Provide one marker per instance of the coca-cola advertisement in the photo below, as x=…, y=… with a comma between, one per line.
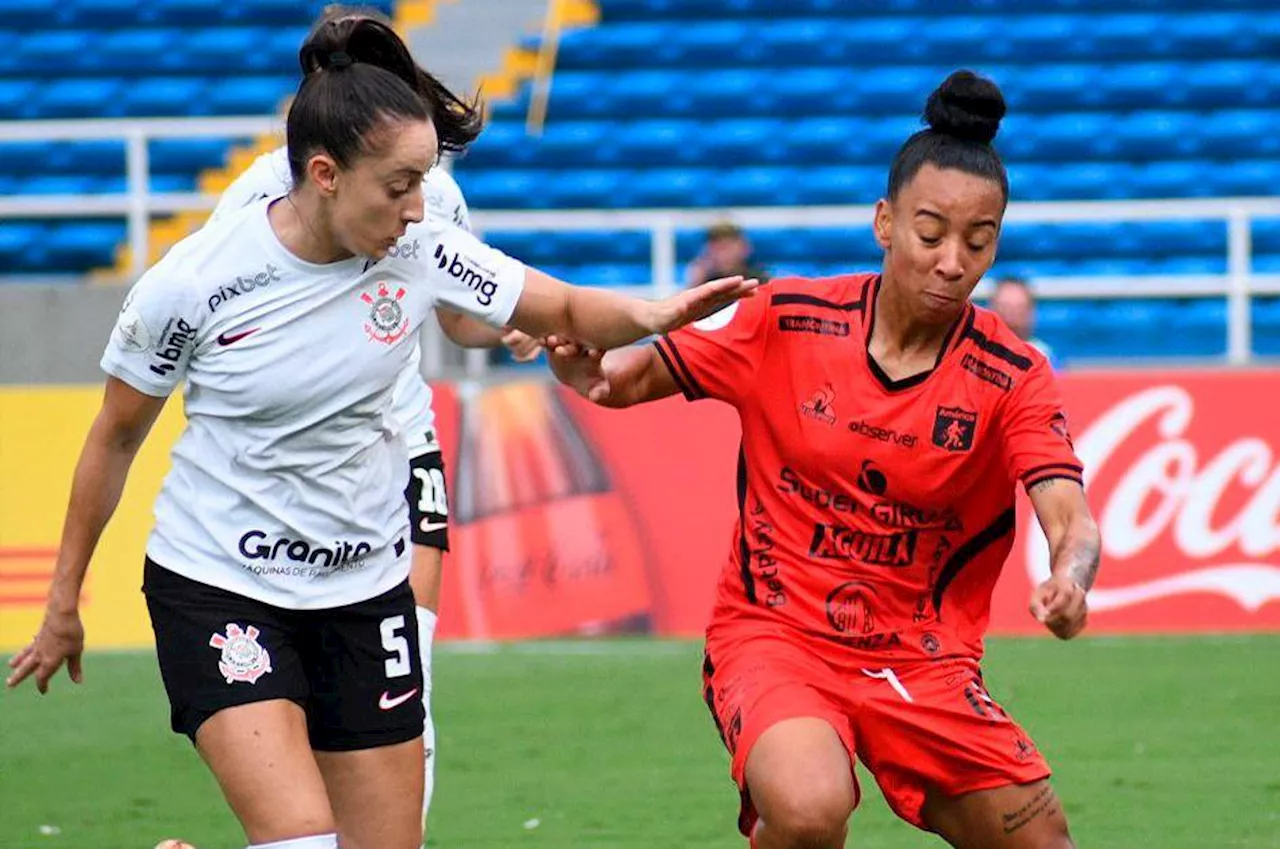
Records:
x=570, y=519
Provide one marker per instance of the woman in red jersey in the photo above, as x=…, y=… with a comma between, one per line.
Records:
x=886, y=422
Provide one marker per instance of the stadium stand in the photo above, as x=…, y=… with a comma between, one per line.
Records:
x=719, y=103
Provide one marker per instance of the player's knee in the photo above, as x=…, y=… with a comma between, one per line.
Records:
x=811, y=817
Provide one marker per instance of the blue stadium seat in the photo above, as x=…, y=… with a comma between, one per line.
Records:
x=85, y=97
x=103, y=14
x=1266, y=325
x=247, y=95
x=21, y=245
x=649, y=143
x=1232, y=134
x=158, y=96
x=142, y=52
x=55, y=52
x=78, y=245
x=29, y=15
x=189, y=156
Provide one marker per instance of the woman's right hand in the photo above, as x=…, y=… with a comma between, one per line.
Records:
x=59, y=640
x=579, y=368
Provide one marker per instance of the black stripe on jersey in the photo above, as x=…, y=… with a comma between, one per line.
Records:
x=680, y=375
x=1000, y=527
x=810, y=301
x=1073, y=468
x=1051, y=476
x=744, y=550
x=679, y=363
x=675, y=373
x=997, y=350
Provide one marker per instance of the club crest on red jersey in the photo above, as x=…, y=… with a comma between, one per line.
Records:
x=820, y=405
x=243, y=657
x=953, y=428
x=387, y=322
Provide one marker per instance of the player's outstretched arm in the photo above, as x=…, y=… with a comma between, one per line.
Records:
x=468, y=332
x=620, y=378
x=603, y=319
x=1075, y=548
x=117, y=433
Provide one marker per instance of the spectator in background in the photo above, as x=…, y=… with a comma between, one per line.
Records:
x=726, y=252
x=1015, y=303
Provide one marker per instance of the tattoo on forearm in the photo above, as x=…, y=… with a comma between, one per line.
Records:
x=1078, y=559
x=1044, y=803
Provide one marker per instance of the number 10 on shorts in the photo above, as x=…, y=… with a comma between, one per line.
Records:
x=395, y=643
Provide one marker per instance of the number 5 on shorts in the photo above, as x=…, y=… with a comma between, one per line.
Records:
x=395, y=643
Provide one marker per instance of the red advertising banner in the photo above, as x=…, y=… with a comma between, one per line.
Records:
x=570, y=519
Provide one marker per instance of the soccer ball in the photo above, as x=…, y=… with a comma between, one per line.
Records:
x=174, y=844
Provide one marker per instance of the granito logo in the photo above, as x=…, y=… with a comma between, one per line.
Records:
x=405, y=250
x=823, y=499
x=257, y=545
x=174, y=339
x=835, y=542
x=882, y=434
x=465, y=270
x=812, y=324
x=987, y=372
x=242, y=285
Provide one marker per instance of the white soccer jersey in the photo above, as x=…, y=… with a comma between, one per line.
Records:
x=268, y=176
x=287, y=484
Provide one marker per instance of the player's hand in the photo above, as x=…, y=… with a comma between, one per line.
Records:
x=523, y=347
x=1061, y=606
x=59, y=640
x=692, y=304
x=579, y=368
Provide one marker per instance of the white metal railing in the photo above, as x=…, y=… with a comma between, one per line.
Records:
x=138, y=204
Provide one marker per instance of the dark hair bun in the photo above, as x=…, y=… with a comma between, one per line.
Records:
x=966, y=106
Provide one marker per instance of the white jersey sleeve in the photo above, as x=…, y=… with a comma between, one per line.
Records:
x=444, y=200
x=467, y=275
x=157, y=330
x=267, y=177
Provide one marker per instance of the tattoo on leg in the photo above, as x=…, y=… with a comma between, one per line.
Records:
x=1043, y=803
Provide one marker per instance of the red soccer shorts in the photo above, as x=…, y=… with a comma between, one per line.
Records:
x=918, y=726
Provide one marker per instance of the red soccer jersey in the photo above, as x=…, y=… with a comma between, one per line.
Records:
x=874, y=514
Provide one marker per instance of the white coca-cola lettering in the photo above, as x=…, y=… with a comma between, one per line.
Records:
x=1165, y=490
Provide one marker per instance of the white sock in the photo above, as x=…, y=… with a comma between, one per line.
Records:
x=426, y=636
x=315, y=841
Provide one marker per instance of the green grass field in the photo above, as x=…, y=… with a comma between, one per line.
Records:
x=1157, y=742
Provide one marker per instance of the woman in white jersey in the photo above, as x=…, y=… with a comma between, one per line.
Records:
x=276, y=574
x=457, y=125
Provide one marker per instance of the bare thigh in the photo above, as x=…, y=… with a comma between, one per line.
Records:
x=1018, y=816
x=376, y=795
x=262, y=759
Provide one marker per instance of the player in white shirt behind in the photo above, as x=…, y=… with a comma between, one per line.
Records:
x=277, y=572
x=457, y=125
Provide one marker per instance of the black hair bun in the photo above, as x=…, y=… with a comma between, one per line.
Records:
x=966, y=106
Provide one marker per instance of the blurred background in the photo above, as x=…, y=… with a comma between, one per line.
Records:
x=650, y=145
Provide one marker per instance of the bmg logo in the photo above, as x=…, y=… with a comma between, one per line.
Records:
x=460, y=269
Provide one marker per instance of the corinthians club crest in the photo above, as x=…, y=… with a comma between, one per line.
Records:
x=243, y=657
x=387, y=322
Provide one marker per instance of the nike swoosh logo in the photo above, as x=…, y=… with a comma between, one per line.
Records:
x=388, y=703
x=427, y=527
x=232, y=338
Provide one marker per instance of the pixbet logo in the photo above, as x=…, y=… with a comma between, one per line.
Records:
x=243, y=285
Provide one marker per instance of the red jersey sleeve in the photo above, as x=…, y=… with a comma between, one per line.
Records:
x=1037, y=445
x=719, y=356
